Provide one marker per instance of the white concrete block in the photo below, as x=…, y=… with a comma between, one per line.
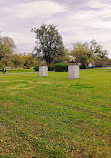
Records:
x=43, y=71
x=73, y=71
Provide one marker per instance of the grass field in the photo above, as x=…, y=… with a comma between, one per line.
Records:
x=53, y=117
x=18, y=70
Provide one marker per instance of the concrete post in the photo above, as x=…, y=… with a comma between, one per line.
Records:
x=73, y=71
x=43, y=71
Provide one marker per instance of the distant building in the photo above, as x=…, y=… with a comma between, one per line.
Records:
x=90, y=64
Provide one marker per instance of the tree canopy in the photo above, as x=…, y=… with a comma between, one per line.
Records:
x=49, y=43
x=9, y=42
x=5, y=53
x=89, y=52
x=7, y=47
x=97, y=49
x=82, y=52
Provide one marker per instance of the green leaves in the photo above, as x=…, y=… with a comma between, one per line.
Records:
x=5, y=53
x=49, y=43
x=82, y=52
x=89, y=52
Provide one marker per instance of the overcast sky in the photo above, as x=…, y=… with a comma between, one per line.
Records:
x=76, y=20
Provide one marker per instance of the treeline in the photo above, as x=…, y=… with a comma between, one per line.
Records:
x=90, y=53
x=8, y=57
x=49, y=49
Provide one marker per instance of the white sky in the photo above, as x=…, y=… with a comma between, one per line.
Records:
x=76, y=20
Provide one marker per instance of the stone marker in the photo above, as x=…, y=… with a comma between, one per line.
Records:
x=43, y=71
x=73, y=71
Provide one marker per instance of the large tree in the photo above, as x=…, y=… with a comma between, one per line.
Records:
x=49, y=43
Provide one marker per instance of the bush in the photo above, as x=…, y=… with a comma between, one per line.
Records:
x=61, y=67
x=58, y=67
x=82, y=66
x=36, y=68
x=51, y=68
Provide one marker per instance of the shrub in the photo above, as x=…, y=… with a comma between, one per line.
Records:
x=61, y=67
x=82, y=66
x=51, y=68
x=36, y=68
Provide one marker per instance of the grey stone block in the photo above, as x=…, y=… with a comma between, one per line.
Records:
x=73, y=71
x=43, y=71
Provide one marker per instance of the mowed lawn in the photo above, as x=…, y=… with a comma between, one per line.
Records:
x=20, y=70
x=53, y=117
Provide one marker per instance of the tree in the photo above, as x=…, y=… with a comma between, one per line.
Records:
x=82, y=53
x=49, y=43
x=5, y=54
x=100, y=62
x=28, y=61
x=90, y=52
x=97, y=49
x=24, y=60
x=100, y=55
x=18, y=60
x=9, y=42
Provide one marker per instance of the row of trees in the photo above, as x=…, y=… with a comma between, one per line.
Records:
x=50, y=49
x=49, y=46
x=90, y=52
x=8, y=57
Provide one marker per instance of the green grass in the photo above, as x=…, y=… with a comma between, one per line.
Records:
x=53, y=117
x=18, y=70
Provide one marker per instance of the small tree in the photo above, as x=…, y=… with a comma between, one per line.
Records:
x=5, y=54
x=100, y=55
x=9, y=42
x=28, y=61
x=7, y=47
x=97, y=49
x=82, y=53
x=18, y=60
x=49, y=43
